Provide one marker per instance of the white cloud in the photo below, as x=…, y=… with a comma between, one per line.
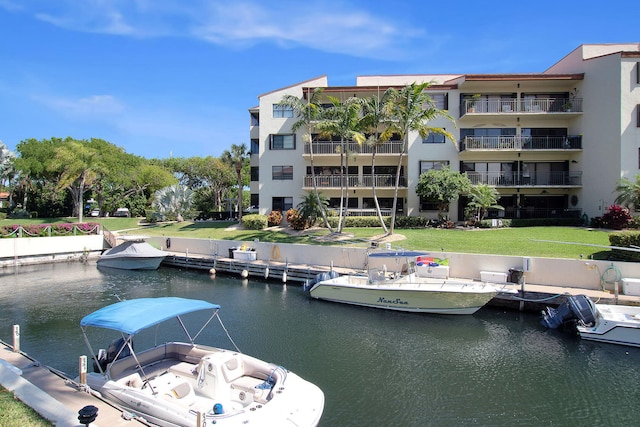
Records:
x=94, y=106
x=329, y=26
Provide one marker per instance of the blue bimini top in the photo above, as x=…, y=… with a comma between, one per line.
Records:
x=132, y=316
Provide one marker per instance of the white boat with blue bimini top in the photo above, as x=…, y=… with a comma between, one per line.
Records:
x=410, y=289
x=183, y=383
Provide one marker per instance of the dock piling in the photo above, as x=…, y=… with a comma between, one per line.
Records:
x=16, y=338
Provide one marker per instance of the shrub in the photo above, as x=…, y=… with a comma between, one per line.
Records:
x=254, y=221
x=274, y=218
x=295, y=220
x=19, y=213
x=616, y=218
x=625, y=239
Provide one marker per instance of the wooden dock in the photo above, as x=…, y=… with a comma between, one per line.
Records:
x=268, y=270
x=52, y=395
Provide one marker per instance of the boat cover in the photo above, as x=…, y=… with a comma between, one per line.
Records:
x=132, y=316
x=133, y=249
x=398, y=253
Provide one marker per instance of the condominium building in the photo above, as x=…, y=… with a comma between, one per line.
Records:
x=554, y=144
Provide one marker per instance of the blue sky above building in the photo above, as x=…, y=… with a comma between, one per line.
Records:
x=164, y=78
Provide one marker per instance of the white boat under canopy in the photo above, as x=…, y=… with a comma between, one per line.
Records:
x=177, y=383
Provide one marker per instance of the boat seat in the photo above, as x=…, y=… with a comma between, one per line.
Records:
x=232, y=369
x=182, y=391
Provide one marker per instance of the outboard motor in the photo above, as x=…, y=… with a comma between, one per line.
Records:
x=577, y=308
x=104, y=358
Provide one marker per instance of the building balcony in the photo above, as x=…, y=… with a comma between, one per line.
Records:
x=521, y=143
x=354, y=181
x=324, y=148
x=520, y=179
x=521, y=106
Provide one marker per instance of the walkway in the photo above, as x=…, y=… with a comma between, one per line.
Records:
x=52, y=395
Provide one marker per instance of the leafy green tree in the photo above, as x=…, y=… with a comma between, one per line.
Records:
x=483, y=197
x=442, y=186
x=237, y=158
x=411, y=109
x=174, y=202
x=341, y=120
x=629, y=192
x=308, y=113
x=376, y=123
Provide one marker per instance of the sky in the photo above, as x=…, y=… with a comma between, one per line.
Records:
x=175, y=78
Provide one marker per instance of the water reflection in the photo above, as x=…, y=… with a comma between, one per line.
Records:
x=376, y=367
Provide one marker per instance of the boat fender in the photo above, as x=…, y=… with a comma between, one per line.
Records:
x=168, y=242
x=218, y=409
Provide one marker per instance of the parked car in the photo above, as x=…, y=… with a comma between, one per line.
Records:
x=122, y=212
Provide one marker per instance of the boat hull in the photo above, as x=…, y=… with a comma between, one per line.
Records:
x=131, y=263
x=615, y=324
x=409, y=293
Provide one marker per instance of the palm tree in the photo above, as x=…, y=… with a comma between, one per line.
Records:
x=341, y=120
x=236, y=158
x=310, y=209
x=375, y=123
x=411, y=109
x=629, y=192
x=483, y=197
x=174, y=201
x=308, y=114
x=7, y=169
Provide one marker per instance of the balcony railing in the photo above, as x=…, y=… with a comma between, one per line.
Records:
x=522, y=105
x=520, y=179
x=334, y=181
x=333, y=147
x=516, y=143
x=533, y=212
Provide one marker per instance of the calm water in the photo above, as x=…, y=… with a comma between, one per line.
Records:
x=494, y=368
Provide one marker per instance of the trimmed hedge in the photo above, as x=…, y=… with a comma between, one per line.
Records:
x=254, y=221
x=625, y=239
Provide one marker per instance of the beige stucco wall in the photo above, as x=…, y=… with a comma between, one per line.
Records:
x=584, y=274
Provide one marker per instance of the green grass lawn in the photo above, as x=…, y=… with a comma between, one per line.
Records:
x=14, y=413
x=519, y=241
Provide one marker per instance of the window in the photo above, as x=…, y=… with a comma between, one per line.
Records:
x=255, y=146
x=281, y=203
x=282, y=111
x=434, y=138
x=255, y=119
x=283, y=142
x=282, y=172
x=255, y=176
x=440, y=100
x=425, y=165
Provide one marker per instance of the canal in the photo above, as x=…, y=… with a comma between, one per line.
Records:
x=494, y=368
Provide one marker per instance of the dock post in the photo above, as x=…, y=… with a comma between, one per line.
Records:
x=16, y=338
x=82, y=369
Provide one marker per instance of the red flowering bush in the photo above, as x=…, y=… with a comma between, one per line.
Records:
x=616, y=218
